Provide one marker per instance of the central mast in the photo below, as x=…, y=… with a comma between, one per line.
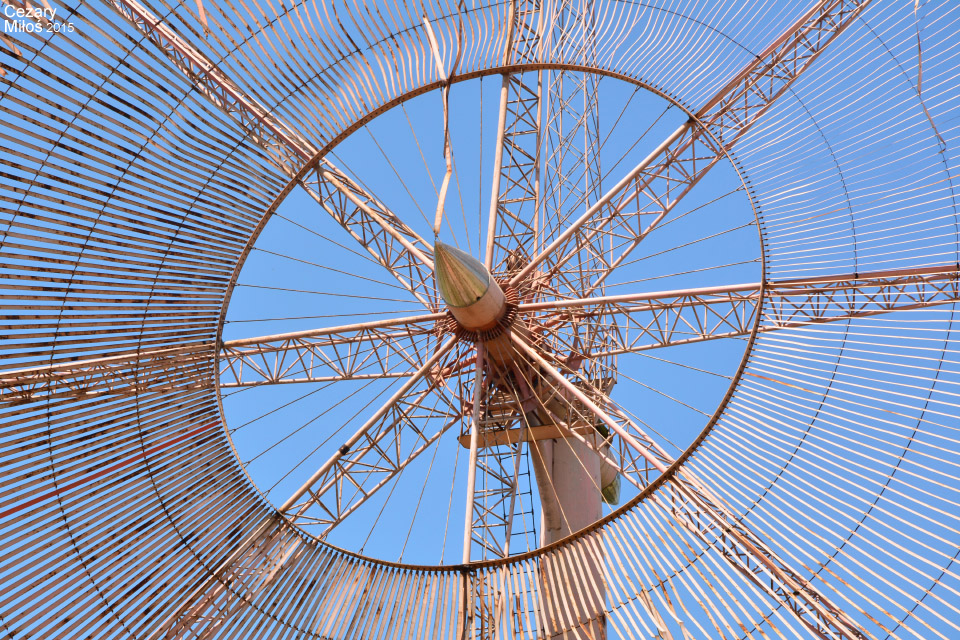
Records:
x=568, y=470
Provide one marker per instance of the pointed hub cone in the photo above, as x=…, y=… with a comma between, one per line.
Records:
x=474, y=297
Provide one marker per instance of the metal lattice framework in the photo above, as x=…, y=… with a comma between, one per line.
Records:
x=152, y=149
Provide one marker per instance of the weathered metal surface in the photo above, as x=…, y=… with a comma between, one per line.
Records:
x=141, y=152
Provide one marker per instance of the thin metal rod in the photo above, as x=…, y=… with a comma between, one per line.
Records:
x=474, y=446
x=363, y=206
x=497, y=169
x=445, y=98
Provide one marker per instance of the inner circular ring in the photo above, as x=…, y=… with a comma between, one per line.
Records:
x=427, y=88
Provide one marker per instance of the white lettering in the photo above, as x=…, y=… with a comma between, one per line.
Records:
x=38, y=14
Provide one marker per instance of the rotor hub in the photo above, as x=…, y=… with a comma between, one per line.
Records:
x=475, y=300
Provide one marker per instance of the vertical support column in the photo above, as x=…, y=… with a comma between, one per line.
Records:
x=472, y=464
x=514, y=200
x=568, y=471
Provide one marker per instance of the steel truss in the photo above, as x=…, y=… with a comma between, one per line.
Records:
x=645, y=321
x=503, y=478
x=425, y=407
x=516, y=208
x=121, y=375
x=572, y=175
x=393, y=244
x=382, y=349
x=497, y=476
x=389, y=349
x=515, y=199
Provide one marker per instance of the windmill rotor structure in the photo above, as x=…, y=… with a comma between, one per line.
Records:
x=546, y=319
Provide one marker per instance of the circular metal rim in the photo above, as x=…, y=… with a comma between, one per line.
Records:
x=387, y=106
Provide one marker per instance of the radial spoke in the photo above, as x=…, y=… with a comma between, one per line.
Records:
x=398, y=432
x=611, y=325
x=660, y=319
x=647, y=194
x=383, y=349
x=390, y=348
x=389, y=240
x=393, y=244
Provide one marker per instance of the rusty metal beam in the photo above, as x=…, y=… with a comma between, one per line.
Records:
x=382, y=349
x=655, y=320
